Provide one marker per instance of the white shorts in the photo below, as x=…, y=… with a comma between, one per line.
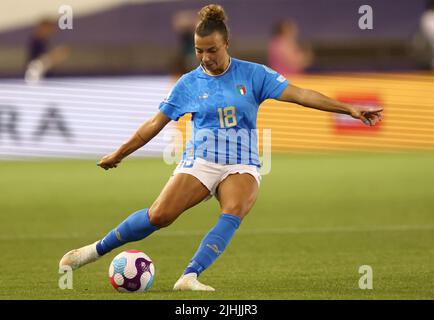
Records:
x=211, y=174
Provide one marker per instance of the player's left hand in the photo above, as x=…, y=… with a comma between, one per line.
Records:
x=369, y=116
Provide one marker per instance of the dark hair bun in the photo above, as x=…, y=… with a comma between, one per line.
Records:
x=213, y=12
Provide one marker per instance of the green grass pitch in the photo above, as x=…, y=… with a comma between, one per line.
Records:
x=317, y=219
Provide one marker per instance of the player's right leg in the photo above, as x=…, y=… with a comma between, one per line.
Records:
x=181, y=192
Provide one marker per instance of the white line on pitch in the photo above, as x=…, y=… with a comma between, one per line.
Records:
x=283, y=231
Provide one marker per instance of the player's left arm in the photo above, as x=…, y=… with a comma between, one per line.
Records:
x=313, y=99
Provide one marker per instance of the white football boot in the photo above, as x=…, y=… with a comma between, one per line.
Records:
x=79, y=257
x=189, y=282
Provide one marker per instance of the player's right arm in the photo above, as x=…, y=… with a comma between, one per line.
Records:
x=142, y=136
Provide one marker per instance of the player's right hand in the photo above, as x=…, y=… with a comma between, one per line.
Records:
x=109, y=161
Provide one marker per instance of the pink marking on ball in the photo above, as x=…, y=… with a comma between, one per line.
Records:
x=113, y=282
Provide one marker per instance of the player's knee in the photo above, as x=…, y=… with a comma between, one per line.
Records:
x=160, y=217
x=159, y=221
x=238, y=209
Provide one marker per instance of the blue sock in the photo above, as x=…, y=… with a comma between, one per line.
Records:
x=136, y=227
x=214, y=243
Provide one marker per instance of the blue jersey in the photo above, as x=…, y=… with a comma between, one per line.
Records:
x=224, y=110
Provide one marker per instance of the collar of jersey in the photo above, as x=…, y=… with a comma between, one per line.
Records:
x=217, y=75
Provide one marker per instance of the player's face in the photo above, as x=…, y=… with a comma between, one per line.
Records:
x=212, y=52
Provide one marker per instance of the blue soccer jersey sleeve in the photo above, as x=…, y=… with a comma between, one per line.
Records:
x=178, y=102
x=268, y=83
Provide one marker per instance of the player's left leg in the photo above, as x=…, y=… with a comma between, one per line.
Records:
x=237, y=195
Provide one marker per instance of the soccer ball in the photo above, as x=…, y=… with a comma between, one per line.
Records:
x=131, y=271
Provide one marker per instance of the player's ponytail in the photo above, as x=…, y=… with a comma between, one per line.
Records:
x=212, y=18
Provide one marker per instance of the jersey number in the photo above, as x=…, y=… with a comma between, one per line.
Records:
x=227, y=117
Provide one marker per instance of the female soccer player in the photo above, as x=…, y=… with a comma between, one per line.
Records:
x=223, y=95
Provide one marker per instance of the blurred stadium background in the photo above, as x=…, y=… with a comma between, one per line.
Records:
x=373, y=186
